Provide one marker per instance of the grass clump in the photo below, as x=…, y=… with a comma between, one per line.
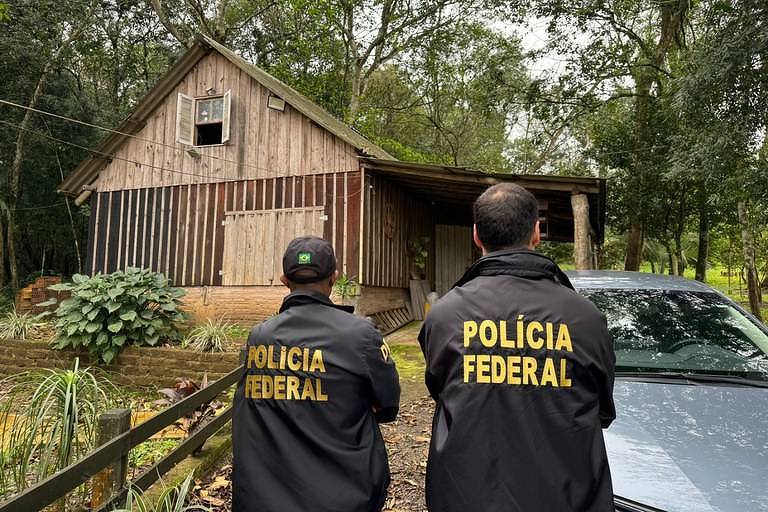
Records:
x=49, y=420
x=172, y=499
x=24, y=326
x=212, y=336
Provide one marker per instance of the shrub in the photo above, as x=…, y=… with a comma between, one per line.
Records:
x=23, y=326
x=50, y=419
x=345, y=287
x=107, y=312
x=210, y=336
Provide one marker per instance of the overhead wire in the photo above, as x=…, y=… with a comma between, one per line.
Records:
x=271, y=172
x=210, y=179
x=275, y=172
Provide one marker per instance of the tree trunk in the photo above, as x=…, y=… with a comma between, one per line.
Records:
x=14, y=178
x=748, y=248
x=355, y=92
x=671, y=258
x=582, y=241
x=703, y=252
x=634, y=248
x=172, y=29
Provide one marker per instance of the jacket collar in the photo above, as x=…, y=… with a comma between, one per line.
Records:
x=516, y=262
x=302, y=297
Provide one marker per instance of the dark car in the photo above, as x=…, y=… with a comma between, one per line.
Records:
x=691, y=433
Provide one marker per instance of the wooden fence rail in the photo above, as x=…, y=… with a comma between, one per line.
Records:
x=64, y=481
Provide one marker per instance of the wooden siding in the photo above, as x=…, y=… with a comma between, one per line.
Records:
x=179, y=230
x=392, y=217
x=264, y=142
x=254, y=242
x=453, y=255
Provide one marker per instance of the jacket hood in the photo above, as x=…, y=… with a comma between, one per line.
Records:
x=302, y=297
x=516, y=262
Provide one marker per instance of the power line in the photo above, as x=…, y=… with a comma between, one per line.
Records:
x=271, y=172
x=274, y=173
x=154, y=167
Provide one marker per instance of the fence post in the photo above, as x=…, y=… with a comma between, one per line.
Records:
x=112, y=478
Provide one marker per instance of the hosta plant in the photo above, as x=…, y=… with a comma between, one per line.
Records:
x=109, y=311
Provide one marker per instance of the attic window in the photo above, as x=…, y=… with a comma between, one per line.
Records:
x=203, y=121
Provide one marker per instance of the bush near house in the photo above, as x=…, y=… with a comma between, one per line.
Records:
x=109, y=311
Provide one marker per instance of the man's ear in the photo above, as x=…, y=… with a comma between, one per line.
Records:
x=285, y=281
x=476, y=239
x=333, y=278
x=536, y=236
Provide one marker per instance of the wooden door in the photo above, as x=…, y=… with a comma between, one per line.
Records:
x=453, y=255
x=254, y=242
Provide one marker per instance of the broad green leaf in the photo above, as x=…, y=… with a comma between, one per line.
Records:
x=92, y=327
x=115, y=326
x=114, y=293
x=129, y=316
x=102, y=338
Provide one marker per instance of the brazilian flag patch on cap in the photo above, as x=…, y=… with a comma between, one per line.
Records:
x=305, y=258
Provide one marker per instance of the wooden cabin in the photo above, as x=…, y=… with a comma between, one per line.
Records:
x=221, y=165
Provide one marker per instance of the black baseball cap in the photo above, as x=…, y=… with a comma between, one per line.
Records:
x=308, y=259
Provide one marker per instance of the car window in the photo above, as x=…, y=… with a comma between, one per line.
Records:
x=655, y=330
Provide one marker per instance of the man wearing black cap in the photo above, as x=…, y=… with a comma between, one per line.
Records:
x=521, y=368
x=318, y=381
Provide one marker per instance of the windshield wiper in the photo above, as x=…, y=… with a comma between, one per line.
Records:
x=700, y=378
x=625, y=505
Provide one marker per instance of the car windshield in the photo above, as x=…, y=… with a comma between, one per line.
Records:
x=682, y=331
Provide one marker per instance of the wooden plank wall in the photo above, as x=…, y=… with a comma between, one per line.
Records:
x=255, y=242
x=453, y=255
x=264, y=142
x=393, y=216
x=178, y=230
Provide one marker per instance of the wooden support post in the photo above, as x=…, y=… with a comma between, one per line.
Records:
x=582, y=239
x=112, y=478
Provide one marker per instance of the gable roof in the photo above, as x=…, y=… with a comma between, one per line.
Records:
x=88, y=170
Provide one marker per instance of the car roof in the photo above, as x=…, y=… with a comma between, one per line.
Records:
x=614, y=279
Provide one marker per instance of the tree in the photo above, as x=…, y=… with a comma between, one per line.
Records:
x=451, y=103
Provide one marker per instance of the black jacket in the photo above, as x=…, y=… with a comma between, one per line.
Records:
x=305, y=435
x=521, y=368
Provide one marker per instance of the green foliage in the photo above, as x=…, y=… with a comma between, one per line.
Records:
x=172, y=499
x=4, y=12
x=50, y=419
x=107, y=312
x=210, y=336
x=150, y=451
x=418, y=252
x=24, y=326
x=346, y=287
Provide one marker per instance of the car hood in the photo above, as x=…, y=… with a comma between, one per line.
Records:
x=693, y=448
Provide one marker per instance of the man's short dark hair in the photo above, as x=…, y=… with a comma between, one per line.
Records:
x=505, y=216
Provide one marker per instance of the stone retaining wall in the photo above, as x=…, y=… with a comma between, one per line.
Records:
x=135, y=366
